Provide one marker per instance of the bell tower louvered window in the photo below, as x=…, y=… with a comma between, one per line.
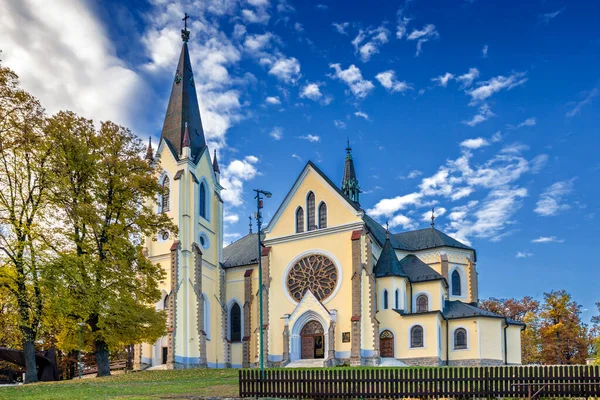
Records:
x=310, y=212
x=322, y=216
x=299, y=220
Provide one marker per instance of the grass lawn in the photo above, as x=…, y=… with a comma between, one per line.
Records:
x=140, y=385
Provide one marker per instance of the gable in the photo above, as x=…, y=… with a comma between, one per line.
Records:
x=340, y=210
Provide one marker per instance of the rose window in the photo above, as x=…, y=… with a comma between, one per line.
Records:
x=316, y=273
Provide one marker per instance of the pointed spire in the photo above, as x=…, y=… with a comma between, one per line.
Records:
x=387, y=231
x=186, y=136
x=432, y=217
x=183, y=107
x=149, y=155
x=350, y=183
x=216, y=166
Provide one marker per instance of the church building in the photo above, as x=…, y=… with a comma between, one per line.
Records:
x=338, y=288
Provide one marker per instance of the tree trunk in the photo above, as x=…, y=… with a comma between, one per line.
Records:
x=102, y=360
x=30, y=365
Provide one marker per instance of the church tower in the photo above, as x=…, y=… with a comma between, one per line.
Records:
x=190, y=257
x=349, y=182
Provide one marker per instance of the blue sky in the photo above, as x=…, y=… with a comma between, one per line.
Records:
x=486, y=110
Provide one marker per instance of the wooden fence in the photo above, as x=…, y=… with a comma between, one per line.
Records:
x=455, y=382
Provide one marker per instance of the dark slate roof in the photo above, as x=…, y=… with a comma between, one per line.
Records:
x=457, y=309
x=183, y=107
x=388, y=264
x=429, y=238
x=378, y=233
x=418, y=271
x=243, y=251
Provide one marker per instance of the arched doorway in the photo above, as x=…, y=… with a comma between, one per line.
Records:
x=386, y=344
x=312, y=340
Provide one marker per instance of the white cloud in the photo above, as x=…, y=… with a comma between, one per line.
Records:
x=437, y=212
x=523, y=254
x=362, y=115
x=298, y=27
x=311, y=91
x=547, y=239
x=547, y=17
x=474, y=143
x=258, y=16
x=368, y=42
x=579, y=105
x=276, y=133
x=483, y=114
x=538, y=163
x=273, y=100
x=443, y=80
x=402, y=25
x=468, y=78
x=527, y=122
x=311, y=138
x=339, y=124
x=231, y=237
x=388, y=80
x=414, y=174
x=387, y=207
x=423, y=35
x=496, y=137
x=296, y=156
x=487, y=88
x=484, y=51
x=233, y=177
x=286, y=69
x=255, y=44
x=403, y=221
x=341, y=27
x=230, y=218
x=352, y=76
x=551, y=200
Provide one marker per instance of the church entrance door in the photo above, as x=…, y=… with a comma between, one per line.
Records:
x=312, y=340
x=386, y=344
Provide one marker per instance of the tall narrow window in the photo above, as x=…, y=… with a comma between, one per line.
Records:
x=310, y=212
x=456, y=283
x=385, y=299
x=202, y=204
x=416, y=336
x=396, y=299
x=322, y=216
x=422, y=303
x=299, y=220
x=235, y=323
x=164, y=201
x=460, y=338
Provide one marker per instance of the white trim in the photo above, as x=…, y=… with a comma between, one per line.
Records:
x=454, y=339
x=229, y=307
x=311, y=234
x=295, y=350
x=303, y=254
x=416, y=295
x=463, y=282
x=410, y=337
x=295, y=188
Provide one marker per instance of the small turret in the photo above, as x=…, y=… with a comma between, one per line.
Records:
x=350, y=184
x=186, y=150
x=149, y=155
x=215, y=164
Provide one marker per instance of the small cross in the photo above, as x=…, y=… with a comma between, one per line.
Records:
x=432, y=217
x=185, y=18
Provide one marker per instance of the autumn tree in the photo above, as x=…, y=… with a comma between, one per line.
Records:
x=101, y=193
x=523, y=310
x=563, y=336
x=24, y=152
x=595, y=337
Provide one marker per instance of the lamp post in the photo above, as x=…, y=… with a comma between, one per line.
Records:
x=81, y=325
x=259, y=205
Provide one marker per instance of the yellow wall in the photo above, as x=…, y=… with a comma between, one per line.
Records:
x=435, y=291
x=513, y=336
x=471, y=325
x=492, y=338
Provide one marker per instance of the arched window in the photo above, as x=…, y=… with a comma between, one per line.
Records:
x=385, y=299
x=460, y=338
x=202, y=201
x=235, y=323
x=456, y=283
x=416, y=336
x=422, y=303
x=299, y=220
x=206, y=316
x=166, y=303
x=396, y=299
x=310, y=212
x=165, y=199
x=322, y=216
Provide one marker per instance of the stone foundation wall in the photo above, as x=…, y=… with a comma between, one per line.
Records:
x=483, y=362
x=423, y=361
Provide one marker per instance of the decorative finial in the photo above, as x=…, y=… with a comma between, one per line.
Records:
x=185, y=34
x=186, y=136
x=348, y=148
x=387, y=230
x=149, y=155
x=432, y=217
x=215, y=162
x=250, y=223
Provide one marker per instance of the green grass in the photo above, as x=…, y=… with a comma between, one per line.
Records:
x=140, y=385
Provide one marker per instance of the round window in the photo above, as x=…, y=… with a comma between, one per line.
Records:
x=316, y=273
x=163, y=235
x=204, y=242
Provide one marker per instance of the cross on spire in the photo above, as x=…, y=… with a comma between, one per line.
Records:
x=387, y=230
x=250, y=224
x=185, y=34
x=432, y=217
